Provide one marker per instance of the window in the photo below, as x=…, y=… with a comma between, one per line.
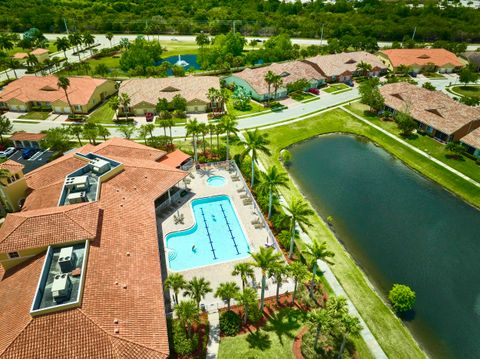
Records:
x=12, y=255
x=78, y=107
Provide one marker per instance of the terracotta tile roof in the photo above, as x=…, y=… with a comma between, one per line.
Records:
x=20, y=55
x=151, y=89
x=421, y=57
x=174, y=159
x=118, y=147
x=472, y=139
x=45, y=89
x=291, y=71
x=39, y=51
x=344, y=62
x=12, y=166
x=46, y=226
x=27, y=136
x=433, y=108
x=118, y=286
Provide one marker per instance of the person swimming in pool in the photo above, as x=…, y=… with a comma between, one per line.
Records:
x=194, y=249
x=214, y=218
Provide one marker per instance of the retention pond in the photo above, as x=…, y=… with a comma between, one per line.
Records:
x=401, y=228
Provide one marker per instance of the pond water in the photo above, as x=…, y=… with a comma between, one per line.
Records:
x=190, y=59
x=401, y=228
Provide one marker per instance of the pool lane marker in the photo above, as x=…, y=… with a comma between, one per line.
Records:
x=230, y=230
x=208, y=234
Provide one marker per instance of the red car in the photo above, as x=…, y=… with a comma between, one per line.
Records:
x=149, y=116
x=315, y=91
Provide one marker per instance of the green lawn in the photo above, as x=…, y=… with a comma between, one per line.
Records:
x=337, y=88
x=179, y=48
x=103, y=114
x=468, y=91
x=254, y=108
x=35, y=115
x=427, y=144
x=301, y=96
x=393, y=336
x=434, y=76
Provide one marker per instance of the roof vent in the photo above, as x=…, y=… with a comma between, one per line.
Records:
x=79, y=183
x=424, y=56
x=61, y=288
x=67, y=259
x=77, y=197
x=351, y=61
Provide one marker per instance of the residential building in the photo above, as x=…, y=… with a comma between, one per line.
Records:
x=20, y=56
x=13, y=186
x=418, y=59
x=435, y=113
x=472, y=142
x=42, y=93
x=145, y=93
x=80, y=272
x=253, y=80
x=343, y=66
x=40, y=54
x=27, y=139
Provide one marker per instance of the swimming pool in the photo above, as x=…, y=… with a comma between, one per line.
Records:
x=216, y=181
x=216, y=236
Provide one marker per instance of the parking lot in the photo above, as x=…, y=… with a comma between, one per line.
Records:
x=38, y=159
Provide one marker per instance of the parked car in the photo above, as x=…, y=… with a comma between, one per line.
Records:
x=27, y=153
x=149, y=117
x=8, y=152
x=315, y=91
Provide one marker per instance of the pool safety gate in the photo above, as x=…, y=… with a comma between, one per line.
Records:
x=229, y=229
x=208, y=234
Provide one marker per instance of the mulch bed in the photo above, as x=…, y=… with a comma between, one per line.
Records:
x=297, y=343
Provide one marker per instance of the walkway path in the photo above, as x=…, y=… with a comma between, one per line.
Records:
x=413, y=148
x=213, y=335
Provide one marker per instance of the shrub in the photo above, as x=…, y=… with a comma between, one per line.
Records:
x=402, y=298
x=179, y=114
x=230, y=323
x=285, y=157
x=182, y=344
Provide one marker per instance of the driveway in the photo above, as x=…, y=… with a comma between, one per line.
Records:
x=34, y=162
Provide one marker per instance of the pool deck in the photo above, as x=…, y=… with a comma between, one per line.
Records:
x=246, y=213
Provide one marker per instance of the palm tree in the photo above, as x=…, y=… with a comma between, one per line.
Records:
x=299, y=272
x=211, y=131
x=299, y=212
x=364, y=68
x=175, y=282
x=403, y=69
x=64, y=83
x=143, y=132
x=88, y=39
x=76, y=131
x=337, y=307
x=75, y=39
x=187, y=314
x=6, y=126
x=150, y=127
x=127, y=130
x=246, y=298
x=269, y=78
x=218, y=132
x=269, y=183
x=254, y=143
x=103, y=131
x=124, y=102
x=115, y=105
x=276, y=83
x=229, y=124
x=316, y=250
x=349, y=326
x=321, y=320
x=109, y=37
x=192, y=128
x=170, y=123
x=265, y=259
x=6, y=41
x=278, y=271
x=197, y=288
x=244, y=270
x=62, y=44
x=32, y=62
x=227, y=291
x=90, y=132
x=14, y=65
x=212, y=96
x=203, y=130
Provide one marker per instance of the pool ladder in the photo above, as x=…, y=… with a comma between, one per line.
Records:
x=172, y=254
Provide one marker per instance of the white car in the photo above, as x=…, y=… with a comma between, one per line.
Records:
x=8, y=152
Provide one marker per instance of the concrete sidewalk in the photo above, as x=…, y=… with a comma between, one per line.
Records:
x=213, y=335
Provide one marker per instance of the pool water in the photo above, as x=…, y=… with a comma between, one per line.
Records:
x=216, y=236
x=216, y=181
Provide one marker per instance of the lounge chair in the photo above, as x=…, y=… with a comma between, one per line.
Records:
x=244, y=196
x=259, y=225
x=240, y=190
x=256, y=221
x=247, y=201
